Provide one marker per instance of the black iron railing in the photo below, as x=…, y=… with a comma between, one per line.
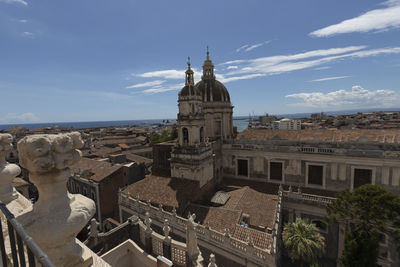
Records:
x=18, y=238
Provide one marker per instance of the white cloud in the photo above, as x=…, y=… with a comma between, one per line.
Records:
x=329, y=78
x=322, y=68
x=169, y=74
x=162, y=89
x=23, y=20
x=265, y=66
x=28, y=34
x=26, y=117
x=241, y=48
x=248, y=47
x=22, y=2
x=253, y=47
x=311, y=59
x=166, y=74
x=374, y=20
x=224, y=79
x=146, y=84
x=357, y=97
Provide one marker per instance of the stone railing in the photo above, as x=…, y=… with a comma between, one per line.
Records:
x=198, y=149
x=215, y=239
x=313, y=199
x=277, y=225
x=141, y=233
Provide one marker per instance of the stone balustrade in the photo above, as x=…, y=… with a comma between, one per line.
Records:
x=204, y=233
x=152, y=243
x=58, y=216
x=313, y=199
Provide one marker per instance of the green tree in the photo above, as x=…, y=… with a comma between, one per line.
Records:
x=367, y=212
x=303, y=241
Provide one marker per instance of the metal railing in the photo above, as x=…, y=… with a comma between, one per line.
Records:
x=17, y=239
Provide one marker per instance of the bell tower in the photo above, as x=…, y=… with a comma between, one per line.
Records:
x=208, y=68
x=192, y=156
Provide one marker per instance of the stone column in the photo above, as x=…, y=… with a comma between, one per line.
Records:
x=58, y=216
x=94, y=230
x=148, y=241
x=7, y=171
x=167, y=240
x=193, y=256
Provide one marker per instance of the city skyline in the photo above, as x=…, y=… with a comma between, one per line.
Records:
x=99, y=61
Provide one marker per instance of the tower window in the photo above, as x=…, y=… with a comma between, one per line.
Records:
x=185, y=135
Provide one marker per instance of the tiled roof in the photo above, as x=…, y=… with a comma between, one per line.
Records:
x=220, y=218
x=327, y=135
x=170, y=192
x=138, y=159
x=260, y=206
x=98, y=169
x=216, y=217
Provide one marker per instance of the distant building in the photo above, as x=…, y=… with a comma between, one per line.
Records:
x=287, y=124
x=101, y=181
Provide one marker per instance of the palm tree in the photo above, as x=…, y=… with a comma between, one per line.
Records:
x=303, y=241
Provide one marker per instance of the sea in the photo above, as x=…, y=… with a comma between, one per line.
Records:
x=240, y=123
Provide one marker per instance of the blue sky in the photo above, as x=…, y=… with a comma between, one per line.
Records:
x=120, y=60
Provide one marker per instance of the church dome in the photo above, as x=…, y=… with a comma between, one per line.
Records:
x=189, y=90
x=213, y=91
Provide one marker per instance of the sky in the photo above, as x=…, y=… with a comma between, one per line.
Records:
x=96, y=60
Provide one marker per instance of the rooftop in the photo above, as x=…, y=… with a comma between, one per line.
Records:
x=95, y=170
x=324, y=135
x=170, y=192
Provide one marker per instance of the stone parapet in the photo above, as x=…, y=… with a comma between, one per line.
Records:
x=214, y=239
x=308, y=198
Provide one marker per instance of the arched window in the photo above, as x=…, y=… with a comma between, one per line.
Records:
x=201, y=135
x=185, y=135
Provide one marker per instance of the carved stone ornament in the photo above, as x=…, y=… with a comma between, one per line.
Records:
x=8, y=171
x=58, y=216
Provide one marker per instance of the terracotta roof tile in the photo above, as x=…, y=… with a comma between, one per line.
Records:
x=170, y=192
x=93, y=169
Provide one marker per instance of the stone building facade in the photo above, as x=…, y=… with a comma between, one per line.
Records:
x=277, y=174
x=101, y=181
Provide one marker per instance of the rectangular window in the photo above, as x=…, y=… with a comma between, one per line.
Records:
x=275, y=171
x=362, y=177
x=315, y=174
x=242, y=167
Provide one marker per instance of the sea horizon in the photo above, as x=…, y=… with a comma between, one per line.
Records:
x=240, y=122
